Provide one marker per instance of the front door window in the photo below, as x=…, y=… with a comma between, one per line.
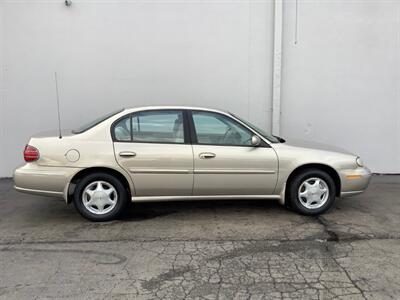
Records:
x=216, y=129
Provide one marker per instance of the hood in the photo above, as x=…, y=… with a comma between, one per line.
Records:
x=314, y=145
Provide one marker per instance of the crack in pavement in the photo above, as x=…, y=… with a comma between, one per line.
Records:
x=265, y=260
x=219, y=269
x=119, y=259
x=332, y=235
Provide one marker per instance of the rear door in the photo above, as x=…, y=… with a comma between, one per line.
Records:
x=225, y=162
x=153, y=146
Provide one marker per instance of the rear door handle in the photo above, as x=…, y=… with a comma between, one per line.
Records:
x=207, y=155
x=127, y=154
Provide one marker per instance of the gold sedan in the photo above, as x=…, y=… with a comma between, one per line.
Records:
x=183, y=153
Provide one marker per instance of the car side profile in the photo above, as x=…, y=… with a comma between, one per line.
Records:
x=183, y=153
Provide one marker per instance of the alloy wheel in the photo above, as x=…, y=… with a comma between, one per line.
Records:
x=313, y=193
x=99, y=197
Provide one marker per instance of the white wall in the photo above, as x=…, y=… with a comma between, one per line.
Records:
x=341, y=81
x=112, y=54
x=2, y=91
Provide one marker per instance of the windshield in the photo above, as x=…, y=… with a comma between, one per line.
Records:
x=268, y=136
x=95, y=122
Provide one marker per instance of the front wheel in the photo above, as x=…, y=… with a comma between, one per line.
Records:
x=312, y=192
x=100, y=197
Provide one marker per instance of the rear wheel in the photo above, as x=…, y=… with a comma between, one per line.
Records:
x=312, y=192
x=100, y=197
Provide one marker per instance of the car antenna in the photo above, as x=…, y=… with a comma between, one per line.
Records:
x=58, y=105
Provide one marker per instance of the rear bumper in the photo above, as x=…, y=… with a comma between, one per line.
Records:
x=41, y=180
x=354, y=181
x=39, y=192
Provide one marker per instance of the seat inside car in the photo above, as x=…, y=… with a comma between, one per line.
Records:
x=178, y=129
x=121, y=131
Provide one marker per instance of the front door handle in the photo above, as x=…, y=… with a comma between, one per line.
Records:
x=207, y=155
x=127, y=154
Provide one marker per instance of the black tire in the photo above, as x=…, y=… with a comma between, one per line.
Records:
x=121, y=200
x=297, y=181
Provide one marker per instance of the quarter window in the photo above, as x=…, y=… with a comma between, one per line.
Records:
x=216, y=129
x=151, y=127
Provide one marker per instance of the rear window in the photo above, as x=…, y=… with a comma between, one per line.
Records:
x=95, y=122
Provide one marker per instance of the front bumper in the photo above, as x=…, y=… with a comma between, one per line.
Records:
x=40, y=180
x=354, y=181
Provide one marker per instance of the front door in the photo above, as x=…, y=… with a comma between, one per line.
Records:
x=225, y=162
x=153, y=147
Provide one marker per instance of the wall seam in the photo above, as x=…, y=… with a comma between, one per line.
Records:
x=2, y=88
x=277, y=67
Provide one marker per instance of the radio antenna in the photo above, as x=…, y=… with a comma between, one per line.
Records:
x=58, y=105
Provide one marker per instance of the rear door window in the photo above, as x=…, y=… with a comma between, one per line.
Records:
x=156, y=126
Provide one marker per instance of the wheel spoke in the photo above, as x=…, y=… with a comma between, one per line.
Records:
x=303, y=194
x=99, y=186
x=109, y=201
x=90, y=193
x=109, y=191
x=100, y=207
x=317, y=183
x=91, y=202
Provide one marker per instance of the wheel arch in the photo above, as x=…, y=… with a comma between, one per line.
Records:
x=328, y=169
x=84, y=172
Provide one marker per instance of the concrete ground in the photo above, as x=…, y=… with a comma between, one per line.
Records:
x=202, y=250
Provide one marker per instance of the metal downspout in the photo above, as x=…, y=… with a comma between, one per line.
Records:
x=277, y=67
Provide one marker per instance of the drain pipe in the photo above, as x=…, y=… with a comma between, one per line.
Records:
x=277, y=71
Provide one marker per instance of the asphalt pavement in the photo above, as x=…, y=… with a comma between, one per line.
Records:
x=202, y=250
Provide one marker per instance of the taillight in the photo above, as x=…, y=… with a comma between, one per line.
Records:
x=31, y=153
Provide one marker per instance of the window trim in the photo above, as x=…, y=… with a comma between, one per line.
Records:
x=186, y=135
x=193, y=133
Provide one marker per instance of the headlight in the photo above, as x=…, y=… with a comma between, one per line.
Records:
x=359, y=162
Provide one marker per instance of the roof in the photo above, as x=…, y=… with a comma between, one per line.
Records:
x=174, y=107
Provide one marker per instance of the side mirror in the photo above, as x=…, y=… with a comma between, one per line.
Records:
x=255, y=140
